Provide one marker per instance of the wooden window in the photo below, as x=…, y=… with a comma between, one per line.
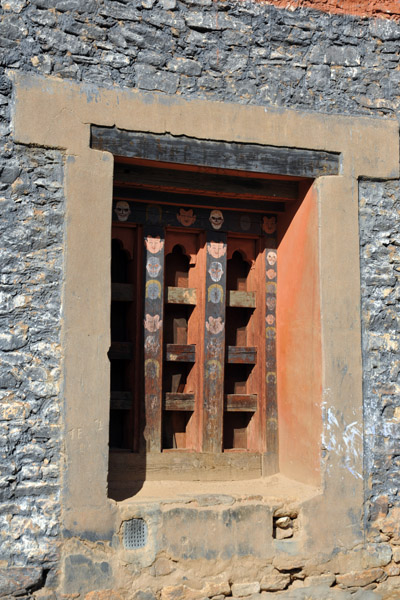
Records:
x=194, y=279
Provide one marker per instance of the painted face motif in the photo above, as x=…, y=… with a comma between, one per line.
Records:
x=151, y=345
x=216, y=219
x=245, y=222
x=151, y=368
x=153, y=266
x=271, y=273
x=215, y=293
x=271, y=257
x=271, y=377
x=122, y=210
x=213, y=369
x=152, y=324
x=269, y=224
x=271, y=302
x=215, y=271
x=216, y=249
x=270, y=333
x=186, y=217
x=270, y=319
x=214, y=325
x=153, y=289
x=154, y=244
x=213, y=348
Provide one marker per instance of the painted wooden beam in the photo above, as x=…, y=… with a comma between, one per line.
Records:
x=271, y=276
x=214, y=341
x=153, y=334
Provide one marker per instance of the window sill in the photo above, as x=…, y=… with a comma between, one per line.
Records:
x=268, y=490
x=175, y=473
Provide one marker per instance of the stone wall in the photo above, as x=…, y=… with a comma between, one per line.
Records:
x=240, y=52
x=380, y=290
x=31, y=229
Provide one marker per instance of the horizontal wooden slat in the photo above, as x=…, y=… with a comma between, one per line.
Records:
x=246, y=355
x=180, y=352
x=240, y=402
x=176, y=401
x=205, y=153
x=241, y=299
x=193, y=199
x=126, y=467
x=178, y=295
x=121, y=401
x=121, y=351
x=122, y=292
x=178, y=181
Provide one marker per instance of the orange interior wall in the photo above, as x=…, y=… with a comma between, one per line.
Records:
x=384, y=9
x=299, y=342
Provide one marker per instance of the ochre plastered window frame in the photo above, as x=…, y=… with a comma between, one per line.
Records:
x=58, y=114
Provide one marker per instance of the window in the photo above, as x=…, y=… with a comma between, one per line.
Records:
x=194, y=280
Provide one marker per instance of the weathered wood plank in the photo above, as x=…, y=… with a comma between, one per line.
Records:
x=123, y=193
x=180, y=352
x=122, y=292
x=179, y=401
x=178, y=181
x=153, y=334
x=181, y=465
x=121, y=351
x=240, y=403
x=241, y=299
x=214, y=338
x=224, y=155
x=241, y=355
x=178, y=295
x=121, y=401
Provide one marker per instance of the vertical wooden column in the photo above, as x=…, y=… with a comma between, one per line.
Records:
x=214, y=341
x=269, y=229
x=154, y=241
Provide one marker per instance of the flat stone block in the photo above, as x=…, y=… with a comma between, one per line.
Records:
x=245, y=589
x=18, y=580
x=359, y=578
x=275, y=582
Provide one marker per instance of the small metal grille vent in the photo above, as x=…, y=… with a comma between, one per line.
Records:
x=135, y=534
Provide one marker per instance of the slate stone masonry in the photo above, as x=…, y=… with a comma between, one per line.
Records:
x=241, y=52
x=380, y=293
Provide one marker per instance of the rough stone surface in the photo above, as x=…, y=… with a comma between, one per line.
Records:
x=181, y=592
x=360, y=578
x=275, y=582
x=380, y=293
x=19, y=580
x=104, y=595
x=245, y=589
